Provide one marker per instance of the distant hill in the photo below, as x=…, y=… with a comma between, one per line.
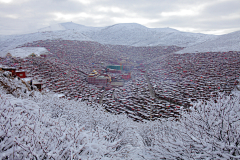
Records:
x=10, y=42
x=223, y=43
x=138, y=35
x=131, y=34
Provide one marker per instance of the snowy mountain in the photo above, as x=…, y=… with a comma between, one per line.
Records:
x=138, y=35
x=10, y=42
x=223, y=43
x=123, y=34
x=54, y=27
x=79, y=27
x=126, y=34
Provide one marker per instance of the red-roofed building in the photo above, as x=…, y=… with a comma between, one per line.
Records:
x=21, y=74
x=126, y=76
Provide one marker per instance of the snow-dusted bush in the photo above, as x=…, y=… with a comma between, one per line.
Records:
x=30, y=130
x=210, y=131
x=36, y=125
x=15, y=86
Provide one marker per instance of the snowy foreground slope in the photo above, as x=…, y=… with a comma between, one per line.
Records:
x=38, y=125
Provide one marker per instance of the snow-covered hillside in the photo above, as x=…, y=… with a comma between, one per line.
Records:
x=121, y=34
x=126, y=34
x=36, y=125
x=223, y=43
x=10, y=42
x=79, y=27
x=54, y=27
x=138, y=35
x=26, y=51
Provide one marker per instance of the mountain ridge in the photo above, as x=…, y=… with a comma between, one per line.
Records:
x=130, y=34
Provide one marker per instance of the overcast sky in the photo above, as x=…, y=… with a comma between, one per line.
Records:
x=202, y=16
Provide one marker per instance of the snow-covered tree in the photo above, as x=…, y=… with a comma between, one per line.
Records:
x=210, y=131
x=36, y=125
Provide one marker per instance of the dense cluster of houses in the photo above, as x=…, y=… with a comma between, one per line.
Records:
x=177, y=80
x=99, y=79
x=102, y=77
x=135, y=99
x=56, y=76
x=92, y=55
x=155, y=84
x=183, y=78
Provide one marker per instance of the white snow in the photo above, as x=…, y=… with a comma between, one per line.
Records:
x=126, y=34
x=79, y=27
x=223, y=43
x=42, y=126
x=138, y=35
x=54, y=27
x=26, y=51
x=60, y=95
x=10, y=42
x=27, y=79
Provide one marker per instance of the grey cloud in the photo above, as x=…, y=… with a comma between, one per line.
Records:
x=36, y=14
x=223, y=8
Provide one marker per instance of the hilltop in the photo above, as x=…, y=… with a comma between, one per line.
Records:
x=130, y=34
x=223, y=43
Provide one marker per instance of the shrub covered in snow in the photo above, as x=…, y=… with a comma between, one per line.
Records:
x=14, y=86
x=36, y=125
x=210, y=131
x=29, y=132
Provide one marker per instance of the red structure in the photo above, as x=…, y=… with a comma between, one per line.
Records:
x=43, y=55
x=95, y=78
x=10, y=69
x=38, y=85
x=91, y=79
x=126, y=76
x=99, y=80
x=113, y=70
x=21, y=74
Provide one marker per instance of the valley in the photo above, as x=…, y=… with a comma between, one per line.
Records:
x=119, y=92
x=162, y=84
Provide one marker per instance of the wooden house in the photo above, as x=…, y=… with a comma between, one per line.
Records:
x=21, y=74
x=126, y=76
x=10, y=69
x=38, y=85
